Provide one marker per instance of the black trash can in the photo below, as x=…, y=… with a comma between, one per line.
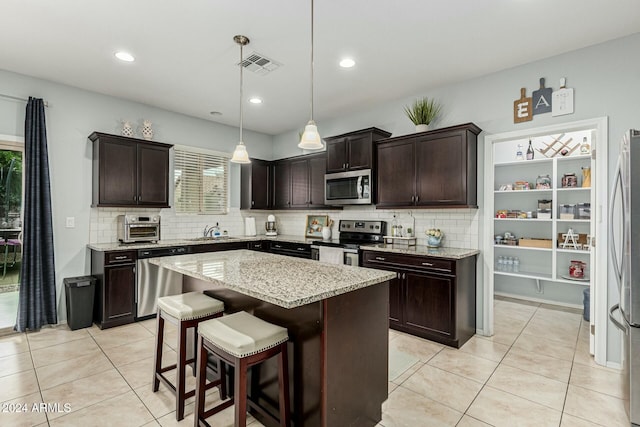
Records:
x=586, y=301
x=79, y=296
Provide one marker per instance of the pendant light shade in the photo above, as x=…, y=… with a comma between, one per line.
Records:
x=311, y=138
x=240, y=154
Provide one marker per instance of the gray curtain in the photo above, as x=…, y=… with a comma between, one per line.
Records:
x=37, y=303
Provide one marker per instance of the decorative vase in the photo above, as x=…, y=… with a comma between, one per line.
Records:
x=422, y=128
x=127, y=129
x=326, y=233
x=147, y=131
x=433, y=241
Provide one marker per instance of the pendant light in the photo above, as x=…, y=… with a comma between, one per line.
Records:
x=240, y=154
x=311, y=138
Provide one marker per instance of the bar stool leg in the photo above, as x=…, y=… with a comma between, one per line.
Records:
x=283, y=376
x=180, y=370
x=157, y=359
x=201, y=378
x=241, y=392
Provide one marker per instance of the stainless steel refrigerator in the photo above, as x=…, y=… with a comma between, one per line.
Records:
x=624, y=235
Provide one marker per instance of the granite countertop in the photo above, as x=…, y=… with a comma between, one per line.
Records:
x=281, y=280
x=442, y=252
x=117, y=246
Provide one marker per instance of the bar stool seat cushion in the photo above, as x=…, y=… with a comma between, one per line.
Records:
x=241, y=334
x=190, y=306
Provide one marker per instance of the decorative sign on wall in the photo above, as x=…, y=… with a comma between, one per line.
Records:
x=562, y=100
x=522, y=108
x=542, y=99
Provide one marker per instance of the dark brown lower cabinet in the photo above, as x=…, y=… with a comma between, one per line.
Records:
x=115, y=296
x=433, y=298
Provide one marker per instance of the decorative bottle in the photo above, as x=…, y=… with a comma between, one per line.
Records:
x=530, y=152
x=519, y=155
x=585, y=148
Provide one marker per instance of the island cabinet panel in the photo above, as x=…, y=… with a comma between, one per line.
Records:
x=354, y=150
x=443, y=173
x=255, y=178
x=128, y=172
x=337, y=351
x=434, y=298
x=114, y=302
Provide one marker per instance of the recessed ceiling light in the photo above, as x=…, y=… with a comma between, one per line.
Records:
x=347, y=63
x=255, y=100
x=125, y=56
x=215, y=113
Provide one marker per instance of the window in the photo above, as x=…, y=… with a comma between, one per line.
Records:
x=200, y=181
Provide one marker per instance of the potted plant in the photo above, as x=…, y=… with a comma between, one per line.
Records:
x=423, y=112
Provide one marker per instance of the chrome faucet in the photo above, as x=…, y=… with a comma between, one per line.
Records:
x=207, y=231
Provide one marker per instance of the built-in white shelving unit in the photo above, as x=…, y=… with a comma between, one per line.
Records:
x=540, y=264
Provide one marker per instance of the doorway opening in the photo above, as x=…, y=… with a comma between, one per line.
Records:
x=11, y=209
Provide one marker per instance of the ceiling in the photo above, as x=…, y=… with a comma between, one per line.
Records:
x=186, y=57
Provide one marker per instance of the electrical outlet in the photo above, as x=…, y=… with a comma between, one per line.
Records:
x=71, y=222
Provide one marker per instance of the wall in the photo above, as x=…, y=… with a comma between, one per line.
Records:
x=71, y=116
x=605, y=79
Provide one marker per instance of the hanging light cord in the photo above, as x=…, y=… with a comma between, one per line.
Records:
x=241, y=84
x=311, y=60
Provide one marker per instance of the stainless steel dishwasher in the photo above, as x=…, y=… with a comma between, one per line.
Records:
x=154, y=282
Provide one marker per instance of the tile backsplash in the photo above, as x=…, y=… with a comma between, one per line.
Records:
x=460, y=226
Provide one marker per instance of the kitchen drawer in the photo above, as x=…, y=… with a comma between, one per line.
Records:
x=299, y=250
x=410, y=261
x=258, y=246
x=119, y=257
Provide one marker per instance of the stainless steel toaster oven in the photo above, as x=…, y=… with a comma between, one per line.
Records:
x=134, y=228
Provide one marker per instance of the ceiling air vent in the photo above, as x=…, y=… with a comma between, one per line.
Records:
x=259, y=64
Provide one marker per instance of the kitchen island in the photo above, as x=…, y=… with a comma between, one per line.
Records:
x=337, y=318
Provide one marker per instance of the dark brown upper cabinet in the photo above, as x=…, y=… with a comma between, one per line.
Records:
x=298, y=182
x=434, y=169
x=129, y=172
x=353, y=150
x=255, y=179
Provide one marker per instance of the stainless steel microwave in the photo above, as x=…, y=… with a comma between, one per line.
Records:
x=348, y=188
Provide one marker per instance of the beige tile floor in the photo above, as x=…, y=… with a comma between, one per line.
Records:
x=535, y=371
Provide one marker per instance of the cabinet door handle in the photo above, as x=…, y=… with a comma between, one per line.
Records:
x=300, y=249
x=404, y=275
x=379, y=258
x=417, y=198
x=253, y=203
x=428, y=264
x=347, y=165
x=120, y=257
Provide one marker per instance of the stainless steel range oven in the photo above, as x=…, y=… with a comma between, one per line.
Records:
x=353, y=234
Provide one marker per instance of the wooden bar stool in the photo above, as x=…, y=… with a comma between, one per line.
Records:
x=241, y=340
x=186, y=311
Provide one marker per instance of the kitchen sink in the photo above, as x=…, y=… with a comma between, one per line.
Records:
x=210, y=238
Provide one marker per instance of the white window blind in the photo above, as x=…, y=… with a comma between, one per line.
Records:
x=200, y=181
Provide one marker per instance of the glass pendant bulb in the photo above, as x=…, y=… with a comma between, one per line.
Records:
x=311, y=138
x=240, y=154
